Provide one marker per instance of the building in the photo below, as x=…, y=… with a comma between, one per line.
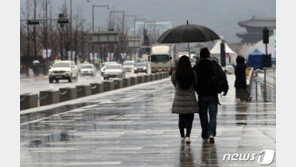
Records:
x=153, y=27
x=254, y=27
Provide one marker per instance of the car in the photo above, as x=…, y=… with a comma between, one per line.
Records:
x=113, y=71
x=141, y=67
x=104, y=64
x=66, y=70
x=129, y=66
x=88, y=69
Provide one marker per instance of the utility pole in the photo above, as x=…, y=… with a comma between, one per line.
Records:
x=70, y=30
x=28, y=48
x=51, y=33
x=62, y=20
x=34, y=31
x=45, y=39
x=35, y=49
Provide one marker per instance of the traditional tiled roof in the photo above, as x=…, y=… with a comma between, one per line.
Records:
x=259, y=22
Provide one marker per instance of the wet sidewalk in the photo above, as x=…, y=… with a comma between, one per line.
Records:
x=135, y=128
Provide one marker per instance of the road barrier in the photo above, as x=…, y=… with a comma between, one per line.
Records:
x=108, y=85
x=157, y=76
x=146, y=78
x=68, y=93
x=48, y=97
x=96, y=88
x=140, y=79
x=118, y=83
x=163, y=74
x=126, y=82
x=28, y=101
x=83, y=90
x=133, y=81
x=152, y=78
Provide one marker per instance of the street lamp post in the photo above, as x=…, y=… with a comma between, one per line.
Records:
x=134, y=16
x=139, y=19
x=62, y=20
x=120, y=41
x=93, y=14
x=93, y=22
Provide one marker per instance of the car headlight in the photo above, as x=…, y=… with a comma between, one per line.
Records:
x=144, y=68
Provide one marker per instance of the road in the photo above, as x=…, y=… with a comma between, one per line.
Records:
x=34, y=85
x=134, y=127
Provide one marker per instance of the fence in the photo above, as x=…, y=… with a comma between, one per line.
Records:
x=265, y=84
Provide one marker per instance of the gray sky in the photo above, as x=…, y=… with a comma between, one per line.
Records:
x=219, y=15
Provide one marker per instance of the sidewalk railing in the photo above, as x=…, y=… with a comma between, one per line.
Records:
x=265, y=84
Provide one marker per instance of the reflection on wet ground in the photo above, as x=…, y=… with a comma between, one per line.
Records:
x=135, y=128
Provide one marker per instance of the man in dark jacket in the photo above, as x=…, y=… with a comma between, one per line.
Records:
x=207, y=93
x=240, y=77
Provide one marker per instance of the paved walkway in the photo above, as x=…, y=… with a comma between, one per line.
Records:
x=135, y=128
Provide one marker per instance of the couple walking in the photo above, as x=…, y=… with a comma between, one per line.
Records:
x=207, y=79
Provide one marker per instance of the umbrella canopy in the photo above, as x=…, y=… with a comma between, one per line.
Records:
x=188, y=33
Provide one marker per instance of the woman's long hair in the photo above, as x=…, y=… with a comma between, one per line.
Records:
x=184, y=73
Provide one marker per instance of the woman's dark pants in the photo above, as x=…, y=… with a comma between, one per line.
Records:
x=185, y=122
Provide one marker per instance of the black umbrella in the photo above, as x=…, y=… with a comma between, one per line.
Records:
x=188, y=33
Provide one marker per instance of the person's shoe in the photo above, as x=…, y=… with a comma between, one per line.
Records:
x=187, y=140
x=250, y=99
x=205, y=140
x=212, y=140
x=182, y=139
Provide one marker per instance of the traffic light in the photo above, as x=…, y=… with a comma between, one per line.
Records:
x=63, y=19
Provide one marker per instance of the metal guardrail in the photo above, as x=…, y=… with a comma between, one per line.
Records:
x=267, y=84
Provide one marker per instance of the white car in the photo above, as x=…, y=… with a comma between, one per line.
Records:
x=128, y=66
x=88, y=69
x=141, y=67
x=113, y=71
x=105, y=64
x=63, y=70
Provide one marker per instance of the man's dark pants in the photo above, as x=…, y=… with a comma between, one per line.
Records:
x=208, y=103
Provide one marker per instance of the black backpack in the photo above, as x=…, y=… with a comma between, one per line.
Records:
x=218, y=82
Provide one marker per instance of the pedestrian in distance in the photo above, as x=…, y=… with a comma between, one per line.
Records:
x=241, y=90
x=184, y=104
x=211, y=80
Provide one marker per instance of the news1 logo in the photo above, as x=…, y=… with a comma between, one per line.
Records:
x=265, y=157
